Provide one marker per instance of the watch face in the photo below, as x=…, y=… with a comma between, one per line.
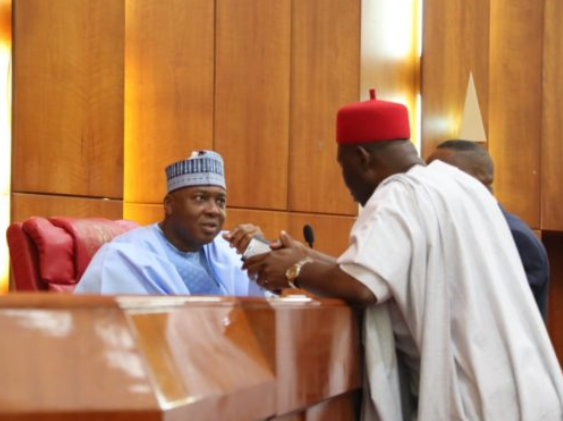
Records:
x=291, y=273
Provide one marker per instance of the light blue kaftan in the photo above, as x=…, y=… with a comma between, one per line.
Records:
x=143, y=261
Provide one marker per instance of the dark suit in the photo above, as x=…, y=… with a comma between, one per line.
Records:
x=534, y=258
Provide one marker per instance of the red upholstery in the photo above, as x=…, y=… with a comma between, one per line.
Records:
x=52, y=254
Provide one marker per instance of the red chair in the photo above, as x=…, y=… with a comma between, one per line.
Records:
x=52, y=254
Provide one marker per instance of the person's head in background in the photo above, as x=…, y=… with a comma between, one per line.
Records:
x=196, y=200
x=469, y=157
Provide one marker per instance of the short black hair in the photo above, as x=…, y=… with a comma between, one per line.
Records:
x=471, y=158
x=460, y=145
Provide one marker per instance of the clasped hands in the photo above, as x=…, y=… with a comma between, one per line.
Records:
x=268, y=269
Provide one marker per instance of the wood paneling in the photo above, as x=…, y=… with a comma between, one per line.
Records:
x=455, y=43
x=68, y=97
x=252, y=67
x=169, y=89
x=390, y=61
x=270, y=222
x=501, y=43
x=331, y=231
x=552, y=147
x=554, y=245
x=324, y=76
x=515, y=104
x=6, y=21
x=25, y=206
x=143, y=213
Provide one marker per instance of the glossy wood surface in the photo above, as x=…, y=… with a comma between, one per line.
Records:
x=156, y=358
x=321, y=369
x=79, y=357
x=552, y=104
x=344, y=407
x=169, y=76
x=324, y=76
x=25, y=206
x=206, y=359
x=68, y=97
x=252, y=70
x=515, y=106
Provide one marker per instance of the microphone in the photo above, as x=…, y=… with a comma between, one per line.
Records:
x=308, y=234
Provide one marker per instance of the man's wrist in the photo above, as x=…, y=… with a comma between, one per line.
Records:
x=293, y=272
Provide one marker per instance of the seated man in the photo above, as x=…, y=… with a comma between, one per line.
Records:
x=474, y=160
x=183, y=254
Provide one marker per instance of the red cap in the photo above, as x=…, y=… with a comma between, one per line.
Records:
x=372, y=121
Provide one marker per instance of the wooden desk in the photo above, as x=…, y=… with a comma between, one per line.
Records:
x=177, y=358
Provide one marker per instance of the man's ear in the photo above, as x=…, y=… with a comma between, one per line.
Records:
x=485, y=177
x=364, y=157
x=168, y=204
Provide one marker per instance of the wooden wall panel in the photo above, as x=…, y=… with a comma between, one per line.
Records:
x=142, y=213
x=390, y=61
x=252, y=99
x=455, y=43
x=552, y=147
x=270, y=222
x=68, y=97
x=331, y=232
x=324, y=76
x=169, y=89
x=25, y=206
x=515, y=82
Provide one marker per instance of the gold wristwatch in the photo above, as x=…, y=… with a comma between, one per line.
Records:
x=293, y=272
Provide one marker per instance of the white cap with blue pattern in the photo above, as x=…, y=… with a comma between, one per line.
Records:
x=203, y=168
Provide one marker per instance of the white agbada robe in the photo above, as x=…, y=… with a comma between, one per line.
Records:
x=453, y=305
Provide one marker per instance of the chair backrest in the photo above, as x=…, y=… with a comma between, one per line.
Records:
x=52, y=254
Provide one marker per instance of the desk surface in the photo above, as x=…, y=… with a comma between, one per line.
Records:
x=152, y=358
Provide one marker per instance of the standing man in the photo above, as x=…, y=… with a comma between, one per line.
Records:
x=474, y=160
x=433, y=262
x=183, y=254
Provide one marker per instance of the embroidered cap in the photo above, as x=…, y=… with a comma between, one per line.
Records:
x=203, y=168
x=371, y=121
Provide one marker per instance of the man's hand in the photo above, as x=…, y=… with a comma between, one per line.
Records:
x=270, y=268
x=322, y=277
x=239, y=237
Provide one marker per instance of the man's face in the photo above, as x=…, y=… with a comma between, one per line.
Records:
x=197, y=213
x=353, y=173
